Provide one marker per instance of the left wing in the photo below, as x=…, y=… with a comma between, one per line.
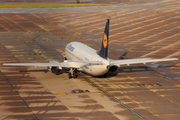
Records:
x=68, y=64
x=137, y=61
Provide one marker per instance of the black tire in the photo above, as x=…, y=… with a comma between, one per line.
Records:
x=52, y=70
x=69, y=75
x=57, y=71
x=75, y=75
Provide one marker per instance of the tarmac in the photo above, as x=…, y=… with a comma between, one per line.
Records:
x=143, y=29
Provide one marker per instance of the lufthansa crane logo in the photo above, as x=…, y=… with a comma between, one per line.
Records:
x=105, y=42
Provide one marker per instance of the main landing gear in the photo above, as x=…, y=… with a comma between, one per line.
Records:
x=72, y=73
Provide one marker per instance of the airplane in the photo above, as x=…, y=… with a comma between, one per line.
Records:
x=80, y=57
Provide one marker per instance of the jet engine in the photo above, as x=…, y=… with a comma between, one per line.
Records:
x=113, y=68
x=54, y=69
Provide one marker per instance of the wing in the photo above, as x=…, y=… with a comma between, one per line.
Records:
x=137, y=61
x=68, y=64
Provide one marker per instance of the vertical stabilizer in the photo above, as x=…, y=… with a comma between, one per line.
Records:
x=104, y=47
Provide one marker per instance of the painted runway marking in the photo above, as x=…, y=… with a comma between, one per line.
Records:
x=150, y=85
x=80, y=91
x=61, y=94
x=76, y=92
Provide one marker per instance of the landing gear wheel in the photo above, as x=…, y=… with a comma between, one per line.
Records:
x=69, y=75
x=72, y=73
x=57, y=71
x=53, y=69
x=75, y=75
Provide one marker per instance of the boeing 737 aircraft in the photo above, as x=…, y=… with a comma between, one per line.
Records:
x=80, y=57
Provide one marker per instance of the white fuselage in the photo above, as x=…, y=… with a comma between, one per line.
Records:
x=82, y=52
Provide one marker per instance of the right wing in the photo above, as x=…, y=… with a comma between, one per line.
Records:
x=137, y=61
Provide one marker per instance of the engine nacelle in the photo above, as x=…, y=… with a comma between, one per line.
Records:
x=113, y=68
x=55, y=70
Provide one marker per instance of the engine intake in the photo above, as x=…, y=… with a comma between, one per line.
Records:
x=55, y=70
x=113, y=68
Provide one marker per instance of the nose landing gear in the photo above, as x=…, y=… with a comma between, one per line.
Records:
x=72, y=73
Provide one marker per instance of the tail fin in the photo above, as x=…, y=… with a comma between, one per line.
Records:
x=104, y=47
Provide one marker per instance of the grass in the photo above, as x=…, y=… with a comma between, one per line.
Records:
x=11, y=5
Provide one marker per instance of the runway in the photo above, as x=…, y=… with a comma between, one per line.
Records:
x=148, y=29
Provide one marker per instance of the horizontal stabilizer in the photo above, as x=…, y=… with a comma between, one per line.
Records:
x=123, y=56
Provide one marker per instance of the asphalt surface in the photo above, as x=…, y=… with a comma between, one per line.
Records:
x=143, y=29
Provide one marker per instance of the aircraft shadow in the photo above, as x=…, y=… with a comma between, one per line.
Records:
x=43, y=70
x=126, y=70
x=129, y=69
x=112, y=74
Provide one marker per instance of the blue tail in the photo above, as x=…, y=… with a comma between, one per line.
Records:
x=104, y=47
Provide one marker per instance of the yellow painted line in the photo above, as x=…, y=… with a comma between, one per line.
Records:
x=28, y=55
x=84, y=92
x=19, y=55
x=61, y=93
x=75, y=93
x=150, y=85
x=178, y=85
